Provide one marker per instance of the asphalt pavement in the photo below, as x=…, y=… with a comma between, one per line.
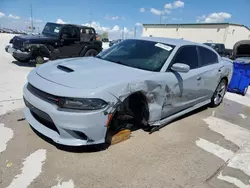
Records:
x=209, y=148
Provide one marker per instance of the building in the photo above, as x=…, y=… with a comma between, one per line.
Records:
x=226, y=33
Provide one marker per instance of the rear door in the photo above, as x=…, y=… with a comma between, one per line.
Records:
x=211, y=71
x=70, y=46
x=185, y=90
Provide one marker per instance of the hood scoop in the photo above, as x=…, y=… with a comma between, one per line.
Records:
x=65, y=69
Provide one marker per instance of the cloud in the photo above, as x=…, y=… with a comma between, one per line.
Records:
x=37, y=20
x=115, y=28
x=138, y=24
x=142, y=10
x=178, y=4
x=60, y=21
x=156, y=11
x=168, y=6
x=14, y=17
x=174, y=5
x=114, y=32
x=112, y=17
x=2, y=14
x=214, y=17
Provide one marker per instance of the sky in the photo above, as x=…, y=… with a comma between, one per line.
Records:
x=116, y=17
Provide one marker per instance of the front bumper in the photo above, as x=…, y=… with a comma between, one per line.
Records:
x=17, y=53
x=66, y=128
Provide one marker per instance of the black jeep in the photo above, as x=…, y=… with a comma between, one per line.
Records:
x=56, y=41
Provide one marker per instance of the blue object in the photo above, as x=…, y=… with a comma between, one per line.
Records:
x=240, y=78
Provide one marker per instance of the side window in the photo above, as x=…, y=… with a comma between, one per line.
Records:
x=207, y=56
x=187, y=55
x=71, y=32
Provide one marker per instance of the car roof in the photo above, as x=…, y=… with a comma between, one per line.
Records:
x=175, y=42
x=75, y=25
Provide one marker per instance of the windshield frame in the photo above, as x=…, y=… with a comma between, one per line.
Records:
x=120, y=62
x=53, y=34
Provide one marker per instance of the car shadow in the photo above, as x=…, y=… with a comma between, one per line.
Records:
x=26, y=64
x=102, y=147
x=196, y=111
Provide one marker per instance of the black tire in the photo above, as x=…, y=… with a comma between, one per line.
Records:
x=39, y=60
x=245, y=91
x=219, y=92
x=91, y=52
x=22, y=60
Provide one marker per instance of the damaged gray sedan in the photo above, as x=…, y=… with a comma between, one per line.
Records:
x=144, y=82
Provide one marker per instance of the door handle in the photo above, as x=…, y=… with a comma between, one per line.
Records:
x=199, y=78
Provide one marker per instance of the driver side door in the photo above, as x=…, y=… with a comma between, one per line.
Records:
x=183, y=87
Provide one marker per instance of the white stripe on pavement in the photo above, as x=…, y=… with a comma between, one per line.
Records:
x=32, y=167
x=215, y=149
x=233, y=180
x=243, y=116
x=245, y=100
x=239, y=136
x=231, y=132
x=5, y=135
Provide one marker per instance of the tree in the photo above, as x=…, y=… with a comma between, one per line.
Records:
x=105, y=35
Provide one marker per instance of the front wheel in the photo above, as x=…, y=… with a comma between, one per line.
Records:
x=219, y=93
x=39, y=60
x=91, y=52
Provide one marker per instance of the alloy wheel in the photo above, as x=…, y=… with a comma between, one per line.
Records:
x=219, y=93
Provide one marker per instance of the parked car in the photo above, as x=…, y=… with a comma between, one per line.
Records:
x=105, y=40
x=56, y=41
x=113, y=42
x=147, y=82
x=241, y=50
x=220, y=48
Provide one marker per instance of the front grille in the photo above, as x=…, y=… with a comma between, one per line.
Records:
x=43, y=95
x=17, y=43
x=41, y=116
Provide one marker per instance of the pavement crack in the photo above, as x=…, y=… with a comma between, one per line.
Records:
x=11, y=100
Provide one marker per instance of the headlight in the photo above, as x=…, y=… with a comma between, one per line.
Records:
x=83, y=104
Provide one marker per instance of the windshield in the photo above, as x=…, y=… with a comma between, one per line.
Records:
x=141, y=54
x=52, y=29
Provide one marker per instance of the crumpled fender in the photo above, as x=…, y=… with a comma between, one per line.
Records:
x=39, y=49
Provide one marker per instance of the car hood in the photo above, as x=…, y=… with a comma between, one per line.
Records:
x=88, y=73
x=35, y=38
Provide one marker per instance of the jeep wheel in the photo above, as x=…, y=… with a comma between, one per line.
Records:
x=22, y=60
x=39, y=60
x=91, y=52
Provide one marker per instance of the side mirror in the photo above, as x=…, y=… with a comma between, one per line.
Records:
x=180, y=67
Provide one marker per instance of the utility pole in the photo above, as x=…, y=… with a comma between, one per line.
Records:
x=135, y=32
x=160, y=17
x=90, y=18
x=31, y=17
x=123, y=33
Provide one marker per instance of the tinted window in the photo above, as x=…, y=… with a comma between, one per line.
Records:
x=141, y=54
x=71, y=32
x=208, y=57
x=187, y=55
x=52, y=29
